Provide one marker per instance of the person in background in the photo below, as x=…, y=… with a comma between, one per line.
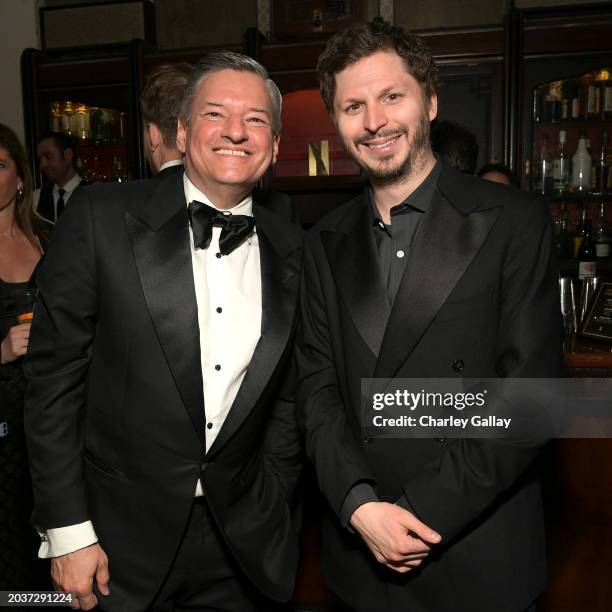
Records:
x=429, y=273
x=23, y=239
x=57, y=158
x=457, y=146
x=498, y=173
x=160, y=105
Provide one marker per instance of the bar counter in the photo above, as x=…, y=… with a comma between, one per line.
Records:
x=585, y=354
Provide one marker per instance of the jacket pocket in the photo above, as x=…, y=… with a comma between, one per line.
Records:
x=99, y=465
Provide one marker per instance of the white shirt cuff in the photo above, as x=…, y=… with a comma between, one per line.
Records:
x=63, y=540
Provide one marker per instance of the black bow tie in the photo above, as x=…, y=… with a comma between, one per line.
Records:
x=234, y=228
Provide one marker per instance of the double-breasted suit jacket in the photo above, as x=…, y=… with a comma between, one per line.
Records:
x=478, y=299
x=115, y=409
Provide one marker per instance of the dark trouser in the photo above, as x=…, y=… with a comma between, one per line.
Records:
x=204, y=576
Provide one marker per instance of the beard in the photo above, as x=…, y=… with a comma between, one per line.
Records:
x=387, y=171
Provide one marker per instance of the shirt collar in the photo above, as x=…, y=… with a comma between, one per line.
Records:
x=69, y=187
x=172, y=162
x=193, y=193
x=418, y=200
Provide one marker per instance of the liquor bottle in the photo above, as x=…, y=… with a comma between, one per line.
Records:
x=561, y=167
x=56, y=117
x=552, y=102
x=587, y=264
x=562, y=239
x=606, y=103
x=580, y=229
x=609, y=167
x=602, y=238
x=81, y=122
x=97, y=125
x=118, y=176
x=95, y=172
x=601, y=167
x=538, y=105
x=593, y=95
x=572, y=90
x=600, y=81
x=67, y=112
x=581, y=167
x=543, y=169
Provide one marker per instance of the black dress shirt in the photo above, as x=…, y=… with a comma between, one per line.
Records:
x=394, y=242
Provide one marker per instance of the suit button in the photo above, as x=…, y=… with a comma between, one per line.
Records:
x=440, y=440
x=368, y=440
x=458, y=365
x=203, y=466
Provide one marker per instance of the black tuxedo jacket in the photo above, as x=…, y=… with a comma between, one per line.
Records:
x=479, y=299
x=46, y=206
x=115, y=409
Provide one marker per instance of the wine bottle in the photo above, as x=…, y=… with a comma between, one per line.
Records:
x=587, y=264
x=602, y=238
x=561, y=167
x=601, y=167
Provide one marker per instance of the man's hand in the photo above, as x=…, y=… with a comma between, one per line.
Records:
x=75, y=571
x=395, y=536
x=15, y=344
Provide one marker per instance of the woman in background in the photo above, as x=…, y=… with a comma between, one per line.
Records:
x=23, y=239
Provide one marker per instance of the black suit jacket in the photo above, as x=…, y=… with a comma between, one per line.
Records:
x=115, y=409
x=479, y=299
x=46, y=206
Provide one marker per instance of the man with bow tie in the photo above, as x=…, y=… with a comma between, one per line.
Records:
x=160, y=416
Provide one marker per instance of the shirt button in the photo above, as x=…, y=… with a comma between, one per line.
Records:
x=209, y=425
x=217, y=367
x=458, y=365
x=218, y=255
x=400, y=253
x=219, y=309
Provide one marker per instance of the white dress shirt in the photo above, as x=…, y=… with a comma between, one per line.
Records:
x=228, y=296
x=172, y=162
x=68, y=188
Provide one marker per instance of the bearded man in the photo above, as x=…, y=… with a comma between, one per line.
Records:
x=429, y=273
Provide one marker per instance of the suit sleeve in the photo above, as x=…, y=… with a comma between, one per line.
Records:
x=331, y=445
x=473, y=474
x=56, y=366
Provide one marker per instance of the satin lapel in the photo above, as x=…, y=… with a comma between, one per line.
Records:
x=445, y=246
x=160, y=243
x=353, y=260
x=279, y=286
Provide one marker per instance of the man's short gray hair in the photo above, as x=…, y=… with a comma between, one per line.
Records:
x=224, y=60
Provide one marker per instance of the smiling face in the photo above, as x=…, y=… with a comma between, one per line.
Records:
x=9, y=180
x=228, y=142
x=382, y=117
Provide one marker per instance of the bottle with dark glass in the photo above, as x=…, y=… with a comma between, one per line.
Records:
x=562, y=239
x=580, y=229
x=606, y=103
x=587, y=264
x=602, y=237
x=601, y=167
x=538, y=105
x=561, y=167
